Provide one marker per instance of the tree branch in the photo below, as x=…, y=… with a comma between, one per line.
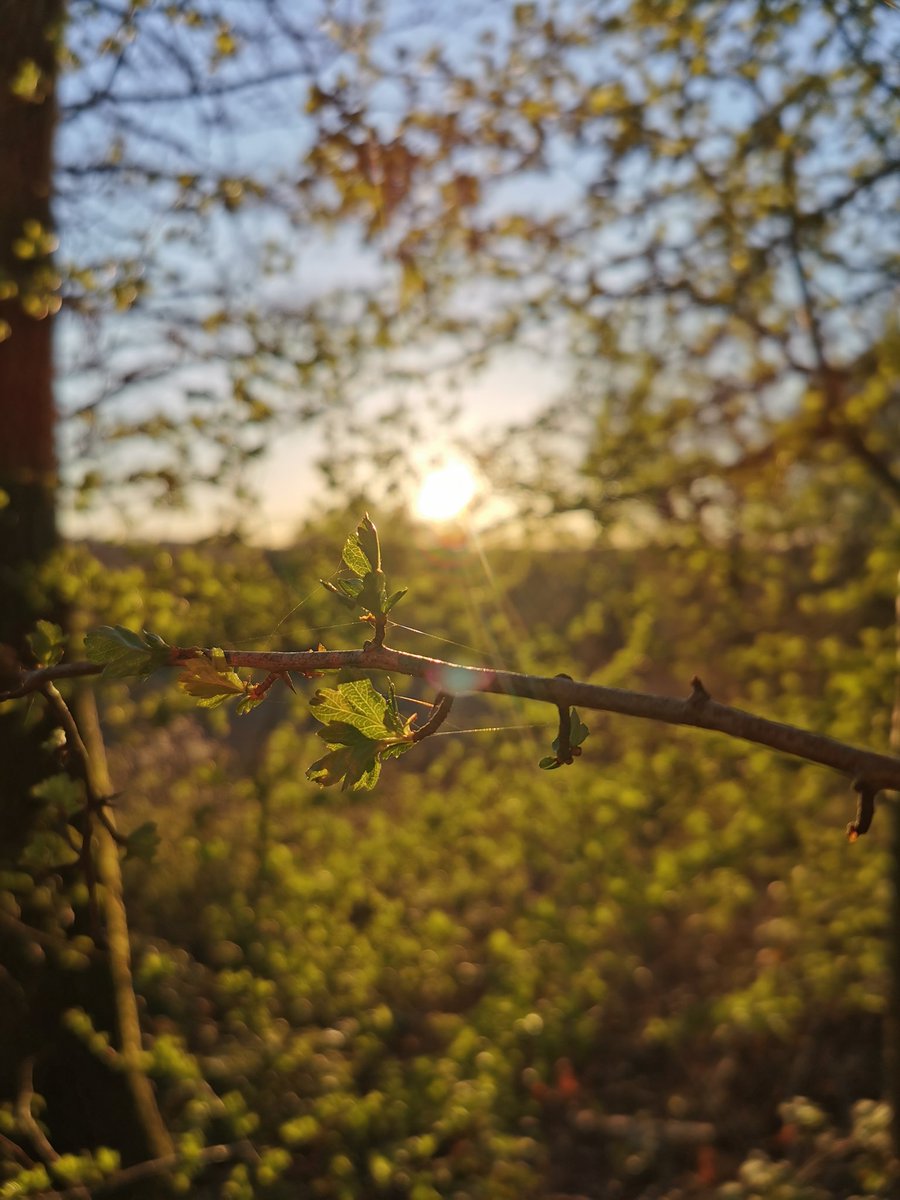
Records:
x=85, y=743
x=876, y=771
x=33, y=681
x=109, y=875
x=442, y=705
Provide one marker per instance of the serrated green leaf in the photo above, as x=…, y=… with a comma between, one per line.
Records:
x=47, y=642
x=362, y=774
x=143, y=842
x=356, y=703
x=339, y=733
x=210, y=680
x=361, y=728
x=356, y=768
x=330, y=768
x=355, y=557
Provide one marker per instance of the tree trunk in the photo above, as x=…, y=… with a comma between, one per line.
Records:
x=27, y=460
x=28, y=301
x=87, y=1103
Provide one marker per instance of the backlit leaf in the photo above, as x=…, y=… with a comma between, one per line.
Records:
x=124, y=652
x=47, y=642
x=357, y=704
x=210, y=680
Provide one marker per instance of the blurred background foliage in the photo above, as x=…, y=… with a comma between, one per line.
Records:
x=659, y=973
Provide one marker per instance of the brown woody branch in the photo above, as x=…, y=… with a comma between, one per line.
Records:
x=877, y=771
x=441, y=710
x=33, y=681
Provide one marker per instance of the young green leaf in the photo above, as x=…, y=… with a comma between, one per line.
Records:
x=355, y=557
x=210, y=680
x=346, y=590
x=361, y=728
x=373, y=594
x=367, y=536
x=357, y=704
x=578, y=731
x=47, y=642
x=124, y=652
x=367, y=590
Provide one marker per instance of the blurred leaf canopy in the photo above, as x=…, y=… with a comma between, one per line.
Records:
x=687, y=206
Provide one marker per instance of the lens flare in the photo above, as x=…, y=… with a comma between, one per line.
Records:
x=446, y=492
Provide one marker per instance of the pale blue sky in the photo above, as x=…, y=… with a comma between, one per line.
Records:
x=264, y=133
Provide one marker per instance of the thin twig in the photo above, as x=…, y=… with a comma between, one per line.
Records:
x=118, y=941
x=14, y=1151
x=25, y=1114
x=439, y=713
x=95, y=803
x=880, y=771
x=33, y=681
x=564, y=755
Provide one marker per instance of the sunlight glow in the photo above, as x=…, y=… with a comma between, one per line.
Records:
x=445, y=492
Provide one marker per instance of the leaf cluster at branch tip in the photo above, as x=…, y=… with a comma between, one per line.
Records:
x=366, y=590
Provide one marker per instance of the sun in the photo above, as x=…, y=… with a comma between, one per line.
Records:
x=446, y=491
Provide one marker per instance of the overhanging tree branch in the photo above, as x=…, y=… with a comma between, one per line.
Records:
x=363, y=727
x=878, y=771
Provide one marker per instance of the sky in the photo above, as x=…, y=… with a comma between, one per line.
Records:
x=126, y=223
x=123, y=139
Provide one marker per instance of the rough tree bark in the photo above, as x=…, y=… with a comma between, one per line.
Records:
x=27, y=459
